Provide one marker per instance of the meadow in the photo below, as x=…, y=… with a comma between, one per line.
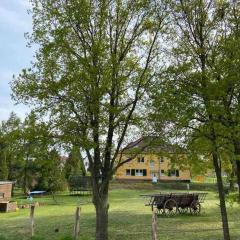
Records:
x=129, y=219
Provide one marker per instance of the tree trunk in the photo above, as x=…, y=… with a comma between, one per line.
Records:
x=102, y=222
x=231, y=179
x=100, y=201
x=25, y=180
x=237, y=161
x=238, y=177
x=221, y=196
x=25, y=185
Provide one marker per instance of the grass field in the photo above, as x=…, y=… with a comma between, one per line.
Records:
x=129, y=219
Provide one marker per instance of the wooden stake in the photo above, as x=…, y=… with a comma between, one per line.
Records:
x=154, y=226
x=77, y=223
x=32, y=225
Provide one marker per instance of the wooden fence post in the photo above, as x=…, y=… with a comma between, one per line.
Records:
x=32, y=225
x=154, y=226
x=77, y=223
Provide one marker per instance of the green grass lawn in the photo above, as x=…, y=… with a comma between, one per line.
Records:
x=129, y=219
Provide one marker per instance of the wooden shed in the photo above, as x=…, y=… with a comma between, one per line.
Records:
x=5, y=191
x=5, y=196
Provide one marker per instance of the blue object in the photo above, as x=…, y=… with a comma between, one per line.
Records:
x=30, y=199
x=37, y=192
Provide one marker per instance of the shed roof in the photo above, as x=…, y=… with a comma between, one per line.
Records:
x=5, y=182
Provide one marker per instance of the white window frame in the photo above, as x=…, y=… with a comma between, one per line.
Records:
x=139, y=172
x=152, y=163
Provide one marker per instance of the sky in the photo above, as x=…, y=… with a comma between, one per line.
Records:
x=14, y=55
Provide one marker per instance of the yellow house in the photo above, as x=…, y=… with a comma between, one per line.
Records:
x=152, y=163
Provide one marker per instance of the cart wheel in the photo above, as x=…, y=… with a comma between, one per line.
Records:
x=170, y=207
x=160, y=211
x=195, y=208
x=183, y=210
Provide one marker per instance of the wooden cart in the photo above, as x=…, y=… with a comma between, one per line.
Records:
x=172, y=203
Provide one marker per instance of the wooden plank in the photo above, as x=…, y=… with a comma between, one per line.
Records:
x=154, y=226
x=77, y=224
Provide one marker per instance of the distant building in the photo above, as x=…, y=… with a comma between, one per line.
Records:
x=152, y=163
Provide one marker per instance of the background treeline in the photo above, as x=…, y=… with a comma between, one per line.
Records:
x=31, y=155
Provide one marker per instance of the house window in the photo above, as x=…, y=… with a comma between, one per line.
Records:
x=162, y=172
x=128, y=172
x=137, y=172
x=161, y=159
x=173, y=173
x=151, y=163
x=140, y=159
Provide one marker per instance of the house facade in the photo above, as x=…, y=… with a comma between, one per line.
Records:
x=150, y=165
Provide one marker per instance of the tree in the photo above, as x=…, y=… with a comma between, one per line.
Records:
x=227, y=71
x=3, y=162
x=51, y=175
x=191, y=89
x=41, y=162
x=10, y=146
x=95, y=63
x=74, y=164
x=27, y=156
x=28, y=147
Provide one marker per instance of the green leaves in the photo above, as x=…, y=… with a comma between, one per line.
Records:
x=198, y=92
x=93, y=67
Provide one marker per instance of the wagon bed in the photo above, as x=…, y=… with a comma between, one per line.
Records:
x=173, y=203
